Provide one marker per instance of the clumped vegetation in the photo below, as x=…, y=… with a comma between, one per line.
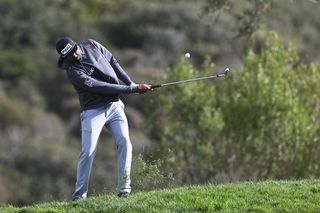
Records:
x=261, y=122
x=258, y=123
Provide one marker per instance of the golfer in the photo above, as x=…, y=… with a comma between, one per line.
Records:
x=95, y=75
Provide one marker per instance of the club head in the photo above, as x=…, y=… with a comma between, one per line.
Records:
x=226, y=71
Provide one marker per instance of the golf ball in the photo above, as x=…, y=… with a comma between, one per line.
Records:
x=187, y=55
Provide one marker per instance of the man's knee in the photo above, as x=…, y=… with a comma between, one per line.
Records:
x=86, y=153
x=124, y=142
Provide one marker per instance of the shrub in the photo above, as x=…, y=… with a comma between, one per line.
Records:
x=261, y=122
x=147, y=175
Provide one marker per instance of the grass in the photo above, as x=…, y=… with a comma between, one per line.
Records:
x=268, y=196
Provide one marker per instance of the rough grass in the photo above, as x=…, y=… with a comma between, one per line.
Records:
x=268, y=196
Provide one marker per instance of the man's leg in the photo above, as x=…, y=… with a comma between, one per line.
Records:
x=118, y=126
x=92, y=122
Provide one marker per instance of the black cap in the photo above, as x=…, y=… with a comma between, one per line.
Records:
x=66, y=47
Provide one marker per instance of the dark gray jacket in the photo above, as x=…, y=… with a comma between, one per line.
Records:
x=96, y=76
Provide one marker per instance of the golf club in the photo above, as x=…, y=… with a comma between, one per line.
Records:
x=225, y=73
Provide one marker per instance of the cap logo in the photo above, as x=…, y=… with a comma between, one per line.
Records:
x=66, y=49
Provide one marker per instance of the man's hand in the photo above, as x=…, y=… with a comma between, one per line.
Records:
x=143, y=88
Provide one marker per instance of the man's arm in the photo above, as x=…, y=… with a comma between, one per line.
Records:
x=121, y=74
x=86, y=82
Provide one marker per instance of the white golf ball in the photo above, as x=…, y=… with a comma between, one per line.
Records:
x=187, y=55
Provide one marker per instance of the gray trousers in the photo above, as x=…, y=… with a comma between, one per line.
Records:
x=92, y=121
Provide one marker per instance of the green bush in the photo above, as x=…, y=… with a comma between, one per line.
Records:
x=270, y=115
x=186, y=122
x=261, y=122
x=147, y=175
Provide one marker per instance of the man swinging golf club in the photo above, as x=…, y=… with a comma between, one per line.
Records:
x=95, y=75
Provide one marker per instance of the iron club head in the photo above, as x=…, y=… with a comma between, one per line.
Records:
x=226, y=71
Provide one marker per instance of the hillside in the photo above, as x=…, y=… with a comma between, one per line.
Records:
x=274, y=135
x=269, y=196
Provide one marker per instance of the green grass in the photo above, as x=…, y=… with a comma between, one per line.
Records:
x=268, y=196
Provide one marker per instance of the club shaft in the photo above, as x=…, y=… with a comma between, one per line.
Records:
x=186, y=81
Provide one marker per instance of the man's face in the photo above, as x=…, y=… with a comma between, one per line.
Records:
x=77, y=55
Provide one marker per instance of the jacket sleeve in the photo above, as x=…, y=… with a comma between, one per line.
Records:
x=121, y=74
x=81, y=80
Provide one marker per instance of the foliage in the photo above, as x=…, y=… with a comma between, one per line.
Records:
x=15, y=111
x=186, y=123
x=261, y=123
x=252, y=16
x=269, y=196
x=40, y=110
x=33, y=145
x=270, y=113
x=147, y=175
